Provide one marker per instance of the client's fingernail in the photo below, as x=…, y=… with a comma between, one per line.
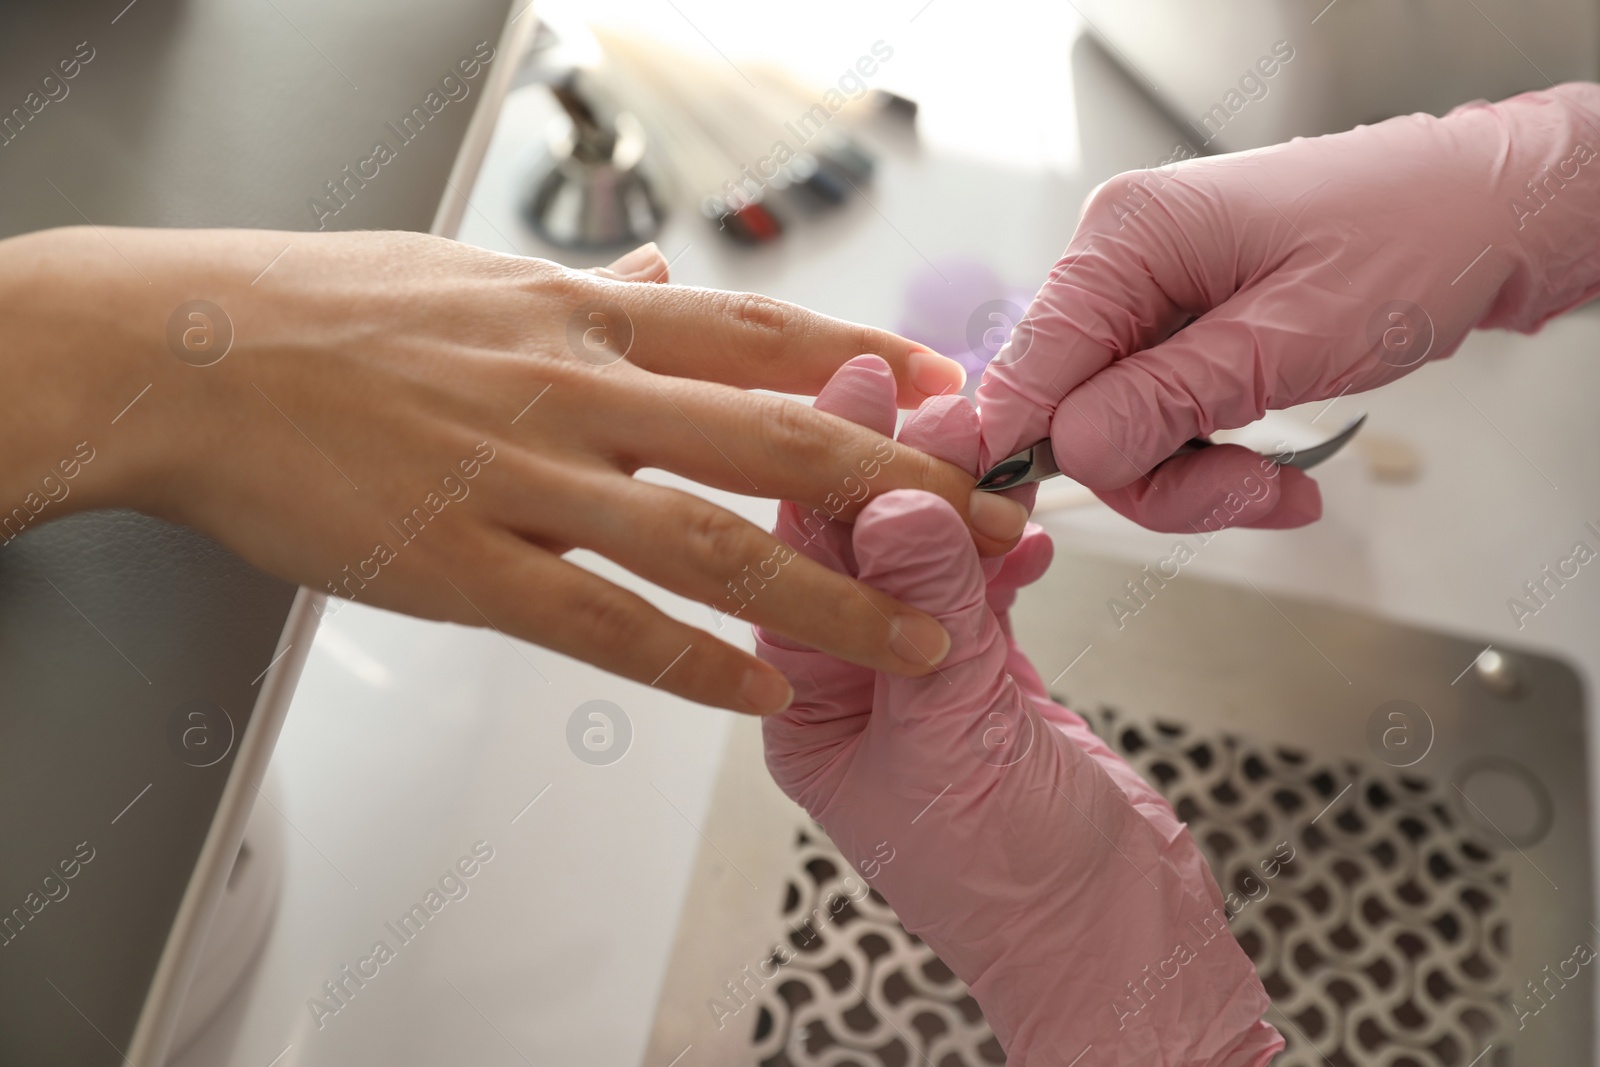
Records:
x=919, y=640
x=934, y=375
x=643, y=262
x=997, y=516
x=765, y=692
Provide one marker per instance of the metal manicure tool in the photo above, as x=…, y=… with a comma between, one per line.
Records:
x=1038, y=462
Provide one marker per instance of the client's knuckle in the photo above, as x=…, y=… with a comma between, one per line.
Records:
x=772, y=321
x=609, y=619
x=716, y=537
x=864, y=339
x=795, y=434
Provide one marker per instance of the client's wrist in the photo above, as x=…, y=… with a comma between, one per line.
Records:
x=77, y=353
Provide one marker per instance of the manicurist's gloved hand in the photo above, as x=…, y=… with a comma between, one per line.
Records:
x=1050, y=877
x=1311, y=269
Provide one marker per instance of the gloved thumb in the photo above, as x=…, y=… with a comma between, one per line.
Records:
x=913, y=546
x=1215, y=488
x=909, y=544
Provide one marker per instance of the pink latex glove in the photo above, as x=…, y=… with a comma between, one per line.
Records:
x=1323, y=266
x=1043, y=870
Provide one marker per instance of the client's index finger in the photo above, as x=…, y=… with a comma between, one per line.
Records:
x=756, y=342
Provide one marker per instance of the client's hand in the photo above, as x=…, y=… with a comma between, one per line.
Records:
x=1049, y=876
x=318, y=416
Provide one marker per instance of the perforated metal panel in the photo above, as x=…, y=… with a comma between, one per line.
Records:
x=859, y=988
x=1377, y=921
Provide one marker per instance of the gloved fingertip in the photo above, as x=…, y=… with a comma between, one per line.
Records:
x=863, y=392
x=1031, y=558
x=945, y=427
x=1299, y=502
x=1023, y=565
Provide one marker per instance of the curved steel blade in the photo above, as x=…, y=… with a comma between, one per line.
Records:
x=1306, y=458
x=1038, y=462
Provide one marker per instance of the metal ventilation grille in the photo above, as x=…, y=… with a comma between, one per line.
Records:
x=1378, y=922
x=861, y=991
x=1386, y=940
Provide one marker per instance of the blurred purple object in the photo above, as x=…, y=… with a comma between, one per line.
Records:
x=960, y=308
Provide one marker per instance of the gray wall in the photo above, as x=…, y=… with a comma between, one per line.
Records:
x=189, y=114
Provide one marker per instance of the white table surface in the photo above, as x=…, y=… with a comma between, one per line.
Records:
x=409, y=741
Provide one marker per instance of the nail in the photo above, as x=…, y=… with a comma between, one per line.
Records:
x=934, y=375
x=919, y=640
x=996, y=516
x=645, y=261
x=765, y=691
